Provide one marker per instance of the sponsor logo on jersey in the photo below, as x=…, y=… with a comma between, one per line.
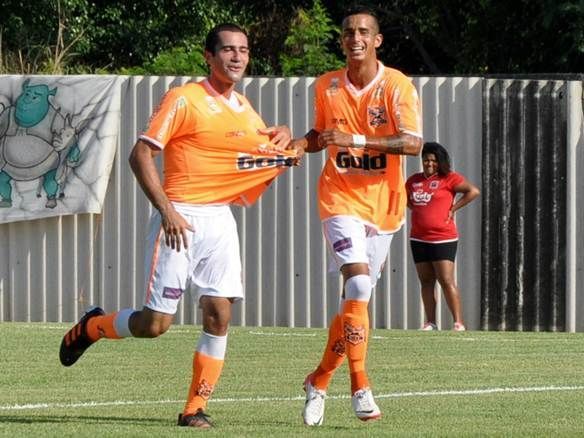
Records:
x=345, y=160
x=237, y=133
x=354, y=334
x=339, y=121
x=417, y=185
x=343, y=244
x=421, y=197
x=377, y=116
x=251, y=162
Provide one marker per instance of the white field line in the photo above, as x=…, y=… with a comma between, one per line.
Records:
x=92, y=404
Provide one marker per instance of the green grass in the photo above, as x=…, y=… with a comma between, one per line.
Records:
x=426, y=384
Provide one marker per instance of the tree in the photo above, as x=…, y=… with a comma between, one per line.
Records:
x=306, y=47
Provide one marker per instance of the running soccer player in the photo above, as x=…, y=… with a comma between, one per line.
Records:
x=217, y=151
x=368, y=117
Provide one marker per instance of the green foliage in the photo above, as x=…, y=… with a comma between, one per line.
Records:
x=179, y=61
x=306, y=47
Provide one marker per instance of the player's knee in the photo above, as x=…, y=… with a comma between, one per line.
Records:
x=358, y=288
x=150, y=328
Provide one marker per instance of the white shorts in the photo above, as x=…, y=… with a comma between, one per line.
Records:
x=351, y=240
x=211, y=262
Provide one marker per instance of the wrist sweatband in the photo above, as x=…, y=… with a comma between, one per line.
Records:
x=359, y=141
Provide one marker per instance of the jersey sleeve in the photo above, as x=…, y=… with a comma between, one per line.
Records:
x=170, y=119
x=455, y=179
x=406, y=109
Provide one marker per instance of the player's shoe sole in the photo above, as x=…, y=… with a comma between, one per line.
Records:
x=198, y=420
x=75, y=341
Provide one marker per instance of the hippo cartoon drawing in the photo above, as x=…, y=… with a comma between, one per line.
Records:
x=37, y=142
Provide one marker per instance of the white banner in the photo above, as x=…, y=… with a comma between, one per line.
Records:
x=58, y=139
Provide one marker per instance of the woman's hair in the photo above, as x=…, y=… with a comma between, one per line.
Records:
x=441, y=155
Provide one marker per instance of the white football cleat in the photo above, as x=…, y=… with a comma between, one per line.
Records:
x=429, y=327
x=313, y=412
x=364, y=406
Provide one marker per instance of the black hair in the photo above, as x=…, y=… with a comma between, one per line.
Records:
x=213, y=36
x=441, y=154
x=361, y=9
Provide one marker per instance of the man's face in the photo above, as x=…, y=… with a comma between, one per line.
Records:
x=360, y=37
x=231, y=57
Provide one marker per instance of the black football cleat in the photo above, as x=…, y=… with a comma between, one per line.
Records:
x=75, y=342
x=199, y=420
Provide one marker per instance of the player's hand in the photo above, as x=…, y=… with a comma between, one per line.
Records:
x=175, y=229
x=280, y=136
x=335, y=137
x=299, y=149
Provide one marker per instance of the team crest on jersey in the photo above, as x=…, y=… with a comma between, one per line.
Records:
x=377, y=116
x=354, y=334
x=418, y=185
x=434, y=185
x=212, y=105
x=333, y=87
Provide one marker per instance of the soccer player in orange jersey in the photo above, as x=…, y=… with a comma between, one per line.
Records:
x=217, y=151
x=367, y=117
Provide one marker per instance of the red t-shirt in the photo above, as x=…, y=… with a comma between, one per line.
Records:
x=430, y=200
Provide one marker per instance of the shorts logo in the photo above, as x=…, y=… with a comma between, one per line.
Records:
x=172, y=293
x=343, y=244
x=354, y=335
x=205, y=389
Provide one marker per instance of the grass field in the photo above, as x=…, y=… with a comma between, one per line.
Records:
x=426, y=384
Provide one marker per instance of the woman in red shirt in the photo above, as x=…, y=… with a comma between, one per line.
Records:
x=433, y=235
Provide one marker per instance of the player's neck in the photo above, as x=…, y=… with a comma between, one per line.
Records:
x=362, y=73
x=224, y=88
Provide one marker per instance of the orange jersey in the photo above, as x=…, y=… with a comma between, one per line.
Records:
x=212, y=151
x=361, y=182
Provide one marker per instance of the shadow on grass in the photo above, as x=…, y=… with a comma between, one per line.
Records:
x=32, y=419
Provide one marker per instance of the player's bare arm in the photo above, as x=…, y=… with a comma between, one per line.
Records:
x=469, y=193
x=309, y=143
x=142, y=164
x=401, y=144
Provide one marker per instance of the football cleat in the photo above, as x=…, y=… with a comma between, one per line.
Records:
x=313, y=413
x=199, y=420
x=364, y=406
x=75, y=341
x=429, y=327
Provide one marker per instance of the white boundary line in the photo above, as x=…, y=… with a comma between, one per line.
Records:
x=93, y=404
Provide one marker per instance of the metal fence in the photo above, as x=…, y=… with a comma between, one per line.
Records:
x=51, y=269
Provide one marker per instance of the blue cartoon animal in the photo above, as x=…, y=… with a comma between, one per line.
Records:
x=36, y=142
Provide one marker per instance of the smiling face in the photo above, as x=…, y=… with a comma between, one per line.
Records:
x=227, y=65
x=360, y=37
x=430, y=164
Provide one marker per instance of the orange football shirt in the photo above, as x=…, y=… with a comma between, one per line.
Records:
x=361, y=182
x=212, y=151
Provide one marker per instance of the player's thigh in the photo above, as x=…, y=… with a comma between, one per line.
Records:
x=425, y=271
x=346, y=239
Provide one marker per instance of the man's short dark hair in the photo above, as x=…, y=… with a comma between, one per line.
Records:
x=361, y=9
x=441, y=154
x=213, y=36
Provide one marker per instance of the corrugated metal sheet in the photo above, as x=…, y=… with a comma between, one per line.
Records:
x=524, y=221
x=51, y=269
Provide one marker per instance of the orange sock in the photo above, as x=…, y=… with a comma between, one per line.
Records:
x=102, y=327
x=206, y=372
x=356, y=331
x=333, y=355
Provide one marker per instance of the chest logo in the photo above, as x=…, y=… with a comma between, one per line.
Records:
x=377, y=116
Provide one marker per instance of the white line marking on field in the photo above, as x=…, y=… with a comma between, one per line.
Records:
x=310, y=335
x=92, y=404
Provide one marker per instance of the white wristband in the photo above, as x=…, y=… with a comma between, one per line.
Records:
x=359, y=141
